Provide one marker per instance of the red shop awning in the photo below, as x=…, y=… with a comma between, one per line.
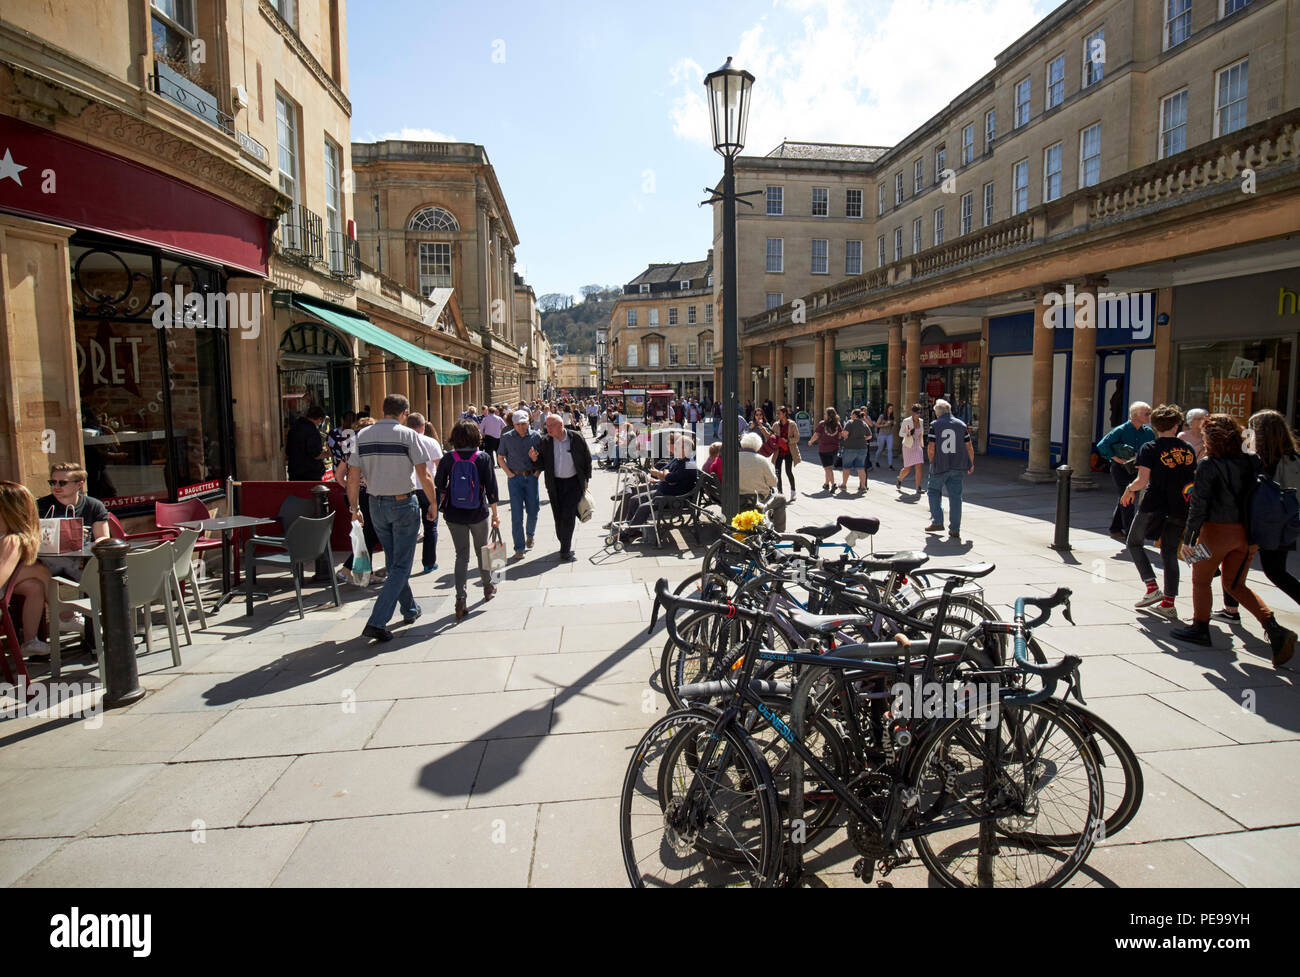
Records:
x=98, y=191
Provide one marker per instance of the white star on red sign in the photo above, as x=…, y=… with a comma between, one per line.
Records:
x=8, y=168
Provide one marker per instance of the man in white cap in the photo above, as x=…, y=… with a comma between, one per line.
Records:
x=521, y=478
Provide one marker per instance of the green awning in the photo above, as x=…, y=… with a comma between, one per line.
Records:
x=448, y=374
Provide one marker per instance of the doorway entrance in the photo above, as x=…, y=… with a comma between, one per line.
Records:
x=316, y=369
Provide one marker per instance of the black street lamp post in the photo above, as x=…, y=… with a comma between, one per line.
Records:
x=728, y=89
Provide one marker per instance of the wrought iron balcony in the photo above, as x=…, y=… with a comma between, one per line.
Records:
x=345, y=256
x=175, y=87
x=302, y=234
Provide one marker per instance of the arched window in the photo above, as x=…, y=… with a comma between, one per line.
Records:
x=433, y=219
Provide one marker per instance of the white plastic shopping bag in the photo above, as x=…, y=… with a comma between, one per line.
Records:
x=360, y=572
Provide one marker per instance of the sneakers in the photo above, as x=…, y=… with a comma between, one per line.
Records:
x=1165, y=609
x=1196, y=633
x=1282, y=639
x=1152, y=596
x=34, y=646
x=411, y=620
x=73, y=624
x=376, y=633
x=430, y=567
x=934, y=527
x=1223, y=614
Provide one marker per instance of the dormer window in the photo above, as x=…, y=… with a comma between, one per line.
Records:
x=685, y=285
x=645, y=289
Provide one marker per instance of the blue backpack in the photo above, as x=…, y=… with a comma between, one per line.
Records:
x=1274, y=514
x=466, y=493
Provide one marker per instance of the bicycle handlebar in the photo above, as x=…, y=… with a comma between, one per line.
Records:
x=1067, y=667
x=673, y=603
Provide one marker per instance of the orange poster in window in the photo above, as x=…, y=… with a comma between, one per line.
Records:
x=1230, y=395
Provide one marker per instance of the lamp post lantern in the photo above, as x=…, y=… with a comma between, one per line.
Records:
x=728, y=92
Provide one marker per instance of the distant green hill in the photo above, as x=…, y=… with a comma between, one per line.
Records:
x=575, y=323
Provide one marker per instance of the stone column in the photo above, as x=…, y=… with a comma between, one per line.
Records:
x=378, y=381
x=912, y=394
x=400, y=377
x=778, y=375
x=829, y=369
x=449, y=412
x=745, y=377
x=435, y=410
x=1161, y=391
x=1083, y=383
x=1040, y=398
x=894, y=370
x=818, y=406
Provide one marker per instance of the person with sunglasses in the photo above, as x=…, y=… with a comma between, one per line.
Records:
x=68, y=500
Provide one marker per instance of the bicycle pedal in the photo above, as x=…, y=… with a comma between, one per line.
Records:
x=865, y=870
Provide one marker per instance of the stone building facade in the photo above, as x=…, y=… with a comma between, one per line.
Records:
x=661, y=330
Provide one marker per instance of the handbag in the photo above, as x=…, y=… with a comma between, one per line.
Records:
x=586, y=506
x=61, y=534
x=770, y=447
x=492, y=557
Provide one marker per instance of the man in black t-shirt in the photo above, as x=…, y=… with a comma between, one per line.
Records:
x=1166, y=468
x=305, y=448
x=68, y=500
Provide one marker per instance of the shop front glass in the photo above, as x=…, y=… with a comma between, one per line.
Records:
x=147, y=440
x=1237, y=377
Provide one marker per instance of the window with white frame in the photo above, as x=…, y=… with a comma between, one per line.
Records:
x=820, y=257
x=672, y=315
x=1051, y=172
x=775, y=255
x=285, y=8
x=645, y=289
x=916, y=236
x=852, y=258
x=1090, y=156
x=333, y=199
x=990, y=129
x=708, y=313
x=938, y=227
x=918, y=176
x=708, y=350
x=1178, y=22
x=967, y=213
x=654, y=317
x=632, y=351
x=1023, y=90
x=968, y=143
x=1054, y=94
x=173, y=29
x=880, y=251
x=652, y=354
x=775, y=201
x=821, y=202
x=435, y=266
x=690, y=315
x=1173, y=124
x=1228, y=7
x=692, y=354
x=898, y=188
x=880, y=199
x=286, y=139
x=898, y=244
x=672, y=354
x=988, y=204
x=631, y=317
x=773, y=300
x=940, y=162
x=439, y=219
x=1094, y=57
x=852, y=203
x=685, y=285
x=1020, y=187
x=1230, y=98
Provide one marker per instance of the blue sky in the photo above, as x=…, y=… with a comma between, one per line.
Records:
x=593, y=114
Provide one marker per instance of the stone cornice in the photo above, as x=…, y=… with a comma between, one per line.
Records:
x=305, y=56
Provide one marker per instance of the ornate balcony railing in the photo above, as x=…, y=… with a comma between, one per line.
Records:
x=302, y=234
x=345, y=256
x=176, y=88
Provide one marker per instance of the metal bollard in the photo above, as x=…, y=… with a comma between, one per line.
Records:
x=1062, y=541
x=320, y=495
x=121, y=678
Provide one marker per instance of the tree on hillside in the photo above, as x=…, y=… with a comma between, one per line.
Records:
x=590, y=292
x=554, y=301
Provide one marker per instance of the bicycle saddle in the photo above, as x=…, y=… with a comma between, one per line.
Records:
x=972, y=571
x=867, y=525
x=824, y=623
x=904, y=562
x=819, y=532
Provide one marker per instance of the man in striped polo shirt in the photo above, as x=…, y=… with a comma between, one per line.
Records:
x=389, y=452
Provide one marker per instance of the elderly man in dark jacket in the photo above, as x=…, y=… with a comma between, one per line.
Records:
x=566, y=464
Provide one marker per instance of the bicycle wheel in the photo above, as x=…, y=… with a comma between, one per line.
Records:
x=1033, y=783
x=702, y=825
x=1121, y=775
x=964, y=611
x=704, y=586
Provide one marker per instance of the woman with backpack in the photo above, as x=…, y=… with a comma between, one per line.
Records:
x=1279, y=459
x=467, y=487
x=1215, y=536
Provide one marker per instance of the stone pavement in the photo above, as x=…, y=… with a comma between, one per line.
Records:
x=291, y=753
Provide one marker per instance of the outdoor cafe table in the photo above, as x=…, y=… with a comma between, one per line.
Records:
x=225, y=525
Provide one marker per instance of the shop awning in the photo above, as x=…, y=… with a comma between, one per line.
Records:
x=448, y=374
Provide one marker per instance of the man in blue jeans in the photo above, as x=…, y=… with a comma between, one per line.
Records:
x=389, y=452
x=522, y=474
x=951, y=454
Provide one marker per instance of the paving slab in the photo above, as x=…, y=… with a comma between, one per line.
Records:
x=576, y=766
x=606, y=613
x=608, y=706
x=1148, y=724
x=565, y=855
x=287, y=731
x=1245, y=715
x=64, y=801
x=1256, y=784
x=568, y=670
x=1200, y=670
x=1169, y=810
x=1152, y=866
x=1256, y=859
x=17, y=858
x=197, y=693
x=492, y=644
x=465, y=718
x=436, y=678
x=606, y=637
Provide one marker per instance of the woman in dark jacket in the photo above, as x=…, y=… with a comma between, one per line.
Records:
x=468, y=524
x=1215, y=520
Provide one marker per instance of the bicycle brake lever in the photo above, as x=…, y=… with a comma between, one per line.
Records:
x=1065, y=612
x=654, y=615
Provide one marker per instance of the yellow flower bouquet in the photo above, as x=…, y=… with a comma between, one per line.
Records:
x=746, y=522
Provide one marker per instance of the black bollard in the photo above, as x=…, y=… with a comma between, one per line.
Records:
x=121, y=679
x=324, y=563
x=1062, y=541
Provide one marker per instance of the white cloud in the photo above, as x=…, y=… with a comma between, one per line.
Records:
x=856, y=73
x=419, y=135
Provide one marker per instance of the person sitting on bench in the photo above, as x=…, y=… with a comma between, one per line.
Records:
x=677, y=479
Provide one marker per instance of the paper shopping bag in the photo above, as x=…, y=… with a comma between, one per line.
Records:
x=492, y=557
x=61, y=536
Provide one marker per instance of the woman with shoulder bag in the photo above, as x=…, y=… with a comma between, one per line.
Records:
x=1216, y=528
x=827, y=438
x=786, y=450
x=912, y=431
x=467, y=487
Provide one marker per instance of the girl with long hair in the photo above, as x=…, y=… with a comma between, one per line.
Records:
x=827, y=438
x=20, y=541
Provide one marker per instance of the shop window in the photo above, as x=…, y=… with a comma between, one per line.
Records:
x=154, y=396
x=1208, y=372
